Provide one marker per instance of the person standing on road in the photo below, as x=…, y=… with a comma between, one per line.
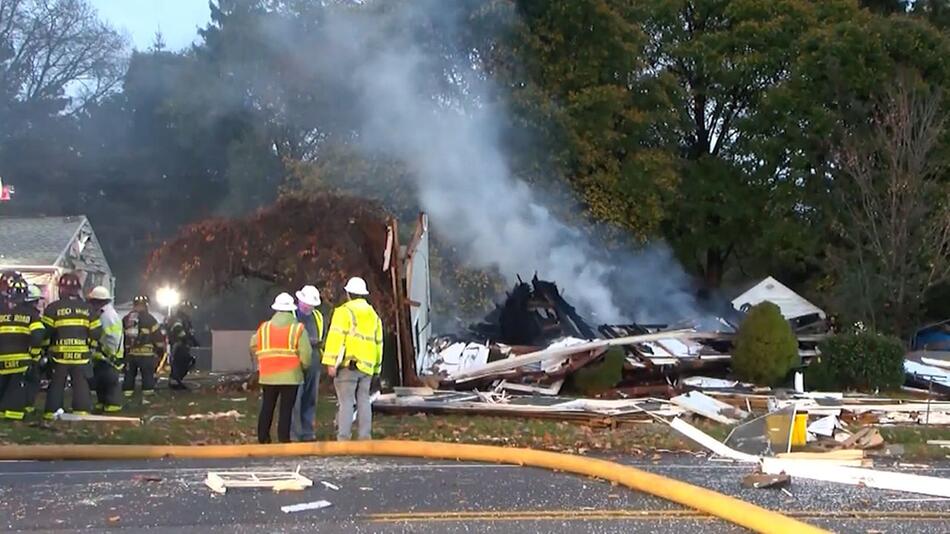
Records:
x=305, y=410
x=354, y=358
x=21, y=333
x=282, y=349
x=145, y=346
x=108, y=352
x=72, y=328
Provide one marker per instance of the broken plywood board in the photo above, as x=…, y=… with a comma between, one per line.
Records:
x=866, y=438
x=709, y=407
x=856, y=476
x=842, y=454
x=219, y=482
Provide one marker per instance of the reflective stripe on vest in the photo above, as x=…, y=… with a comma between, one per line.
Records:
x=277, y=348
x=14, y=363
x=363, y=338
x=15, y=330
x=62, y=323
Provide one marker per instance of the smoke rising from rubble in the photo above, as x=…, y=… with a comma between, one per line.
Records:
x=462, y=176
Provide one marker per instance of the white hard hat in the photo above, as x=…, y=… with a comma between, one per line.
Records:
x=309, y=295
x=356, y=286
x=100, y=293
x=284, y=302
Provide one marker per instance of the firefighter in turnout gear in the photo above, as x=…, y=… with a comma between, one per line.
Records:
x=181, y=337
x=40, y=365
x=107, y=353
x=144, y=347
x=354, y=358
x=21, y=333
x=7, y=280
x=73, y=327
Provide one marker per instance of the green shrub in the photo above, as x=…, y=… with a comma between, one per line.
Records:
x=598, y=377
x=863, y=361
x=766, y=349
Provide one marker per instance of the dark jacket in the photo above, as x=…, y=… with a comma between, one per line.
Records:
x=72, y=326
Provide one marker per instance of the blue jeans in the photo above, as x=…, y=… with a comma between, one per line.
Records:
x=305, y=409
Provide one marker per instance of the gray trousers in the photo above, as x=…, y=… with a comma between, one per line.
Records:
x=352, y=388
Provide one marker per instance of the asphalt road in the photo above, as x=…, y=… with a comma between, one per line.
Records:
x=395, y=495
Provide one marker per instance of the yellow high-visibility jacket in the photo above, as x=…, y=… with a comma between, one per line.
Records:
x=356, y=334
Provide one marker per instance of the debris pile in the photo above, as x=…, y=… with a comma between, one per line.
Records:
x=536, y=343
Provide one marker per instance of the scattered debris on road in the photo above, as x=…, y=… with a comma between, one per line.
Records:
x=315, y=505
x=761, y=480
x=219, y=482
x=328, y=485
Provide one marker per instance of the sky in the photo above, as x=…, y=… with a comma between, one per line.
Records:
x=178, y=20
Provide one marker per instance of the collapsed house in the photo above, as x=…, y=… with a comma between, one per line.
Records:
x=536, y=344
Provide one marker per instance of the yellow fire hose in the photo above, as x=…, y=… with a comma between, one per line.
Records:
x=716, y=504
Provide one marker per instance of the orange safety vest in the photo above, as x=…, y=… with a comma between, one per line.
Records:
x=277, y=348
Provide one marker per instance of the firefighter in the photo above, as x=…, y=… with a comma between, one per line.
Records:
x=181, y=336
x=40, y=365
x=72, y=326
x=21, y=331
x=107, y=353
x=7, y=279
x=144, y=347
x=354, y=357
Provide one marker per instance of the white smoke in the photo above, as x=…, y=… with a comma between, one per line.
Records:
x=463, y=178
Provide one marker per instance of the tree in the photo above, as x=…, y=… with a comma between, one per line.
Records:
x=895, y=200
x=322, y=240
x=715, y=61
x=55, y=55
x=837, y=82
x=569, y=68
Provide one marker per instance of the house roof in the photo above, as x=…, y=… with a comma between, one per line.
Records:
x=791, y=303
x=36, y=241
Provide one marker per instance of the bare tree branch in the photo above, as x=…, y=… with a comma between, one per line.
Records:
x=896, y=217
x=58, y=50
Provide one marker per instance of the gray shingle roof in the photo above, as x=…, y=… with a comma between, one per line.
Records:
x=36, y=240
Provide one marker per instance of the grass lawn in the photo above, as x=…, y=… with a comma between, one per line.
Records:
x=642, y=438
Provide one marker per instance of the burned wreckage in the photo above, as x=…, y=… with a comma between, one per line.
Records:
x=535, y=355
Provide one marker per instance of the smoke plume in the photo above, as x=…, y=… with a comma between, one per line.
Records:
x=454, y=148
